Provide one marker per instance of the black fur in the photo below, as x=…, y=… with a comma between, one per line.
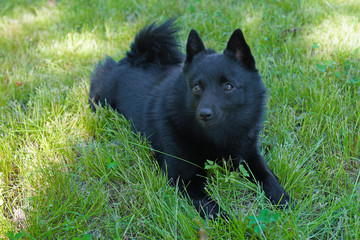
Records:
x=211, y=107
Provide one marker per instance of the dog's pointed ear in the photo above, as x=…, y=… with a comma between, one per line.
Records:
x=194, y=45
x=238, y=47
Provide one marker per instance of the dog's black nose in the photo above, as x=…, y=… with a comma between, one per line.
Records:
x=205, y=114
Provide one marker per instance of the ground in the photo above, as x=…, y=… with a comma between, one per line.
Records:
x=66, y=172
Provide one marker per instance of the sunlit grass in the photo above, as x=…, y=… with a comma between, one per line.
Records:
x=66, y=172
x=340, y=34
x=32, y=25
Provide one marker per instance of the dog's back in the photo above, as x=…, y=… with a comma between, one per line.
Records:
x=126, y=84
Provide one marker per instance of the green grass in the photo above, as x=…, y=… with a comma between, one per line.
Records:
x=68, y=173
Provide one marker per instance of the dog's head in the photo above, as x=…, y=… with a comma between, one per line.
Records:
x=225, y=89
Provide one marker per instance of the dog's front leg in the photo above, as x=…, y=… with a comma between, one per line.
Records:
x=191, y=182
x=260, y=172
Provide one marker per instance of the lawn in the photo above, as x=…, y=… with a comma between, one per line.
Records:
x=67, y=173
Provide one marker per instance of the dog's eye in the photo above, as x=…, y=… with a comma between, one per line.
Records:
x=196, y=89
x=228, y=87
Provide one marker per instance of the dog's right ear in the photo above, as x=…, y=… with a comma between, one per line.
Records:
x=194, y=45
x=238, y=47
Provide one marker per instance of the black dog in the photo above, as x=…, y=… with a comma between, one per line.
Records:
x=211, y=107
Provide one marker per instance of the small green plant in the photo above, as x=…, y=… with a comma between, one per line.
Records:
x=346, y=71
x=265, y=218
x=213, y=166
x=12, y=236
x=315, y=46
x=84, y=237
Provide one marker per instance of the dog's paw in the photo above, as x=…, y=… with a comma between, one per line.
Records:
x=284, y=202
x=212, y=211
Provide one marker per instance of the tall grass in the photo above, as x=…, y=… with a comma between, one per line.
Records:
x=66, y=172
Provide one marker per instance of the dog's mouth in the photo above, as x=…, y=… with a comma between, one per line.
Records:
x=207, y=123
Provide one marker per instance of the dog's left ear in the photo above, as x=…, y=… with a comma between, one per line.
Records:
x=238, y=47
x=194, y=45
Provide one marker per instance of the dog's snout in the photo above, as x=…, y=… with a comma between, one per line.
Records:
x=205, y=114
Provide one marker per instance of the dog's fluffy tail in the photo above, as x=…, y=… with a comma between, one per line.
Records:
x=156, y=44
